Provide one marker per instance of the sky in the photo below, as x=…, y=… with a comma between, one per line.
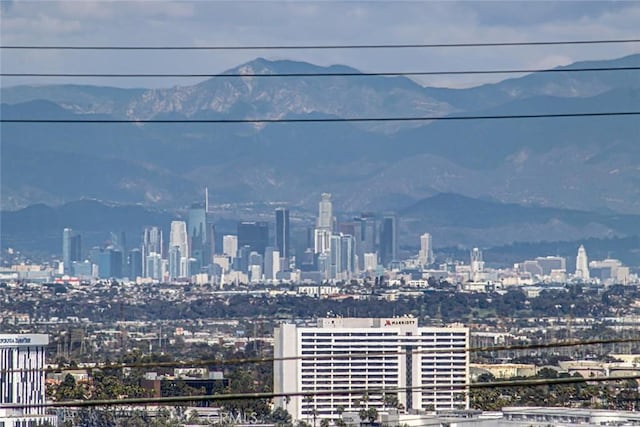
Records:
x=201, y=23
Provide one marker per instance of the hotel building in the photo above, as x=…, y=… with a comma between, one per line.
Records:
x=425, y=368
x=22, y=386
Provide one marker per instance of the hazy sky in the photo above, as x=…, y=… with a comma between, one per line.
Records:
x=273, y=23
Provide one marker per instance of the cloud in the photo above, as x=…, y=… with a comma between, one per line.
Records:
x=201, y=23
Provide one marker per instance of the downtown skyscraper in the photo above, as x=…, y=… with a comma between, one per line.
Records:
x=324, y=225
x=283, y=233
x=71, y=249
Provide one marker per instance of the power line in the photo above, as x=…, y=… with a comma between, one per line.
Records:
x=324, y=46
x=326, y=119
x=325, y=74
x=352, y=355
x=319, y=393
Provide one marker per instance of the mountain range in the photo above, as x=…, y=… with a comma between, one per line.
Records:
x=579, y=163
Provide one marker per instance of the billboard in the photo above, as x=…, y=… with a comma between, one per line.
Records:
x=23, y=340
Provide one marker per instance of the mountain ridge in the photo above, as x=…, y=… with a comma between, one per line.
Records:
x=581, y=163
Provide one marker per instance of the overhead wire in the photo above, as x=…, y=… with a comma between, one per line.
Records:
x=326, y=74
x=341, y=356
x=320, y=393
x=323, y=46
x=327, y=119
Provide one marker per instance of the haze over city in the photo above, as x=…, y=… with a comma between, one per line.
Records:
x=350, y=214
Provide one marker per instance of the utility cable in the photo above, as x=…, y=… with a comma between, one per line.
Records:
x=326, y=119
x=325, y=74
x=353, y=391
x=350, y=355
x=324, y=46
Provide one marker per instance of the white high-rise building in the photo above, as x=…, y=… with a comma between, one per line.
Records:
x=426, y=250
x=324, y=226
x=325, y=212
x=477, y=264
x=582, y=264
x=322, y=240
x=425, y=367
x=22, y=360
x=230, y=245
x=271, y=263
x=179, y=237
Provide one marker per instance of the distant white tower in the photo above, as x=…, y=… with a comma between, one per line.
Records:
x=324, y=225
x=426, y=250
x=179, y=238
x=325, y=212
x=230, y=245
x=582, y=264
x=477, y=264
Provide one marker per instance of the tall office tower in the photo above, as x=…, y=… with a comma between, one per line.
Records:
x=283, y=233
x=365, y=237
x=271, y=263
x=348, y=255
x=325, y=212
x=477, y=264
x=429, y=366
x=582, y=264
x=335, y=257
x=22, y=363
x=230, y=245
x=179, y=238
x=135, y=263
x=388, y=240
x=242, y=261
x=322, y=240
x=71, y=249
x=426, y=250
x=109, y=262
x=152, y=243
x=324, y=225
x=197, y=230
x=154, y=266
x=175, y=258
x=254, y=234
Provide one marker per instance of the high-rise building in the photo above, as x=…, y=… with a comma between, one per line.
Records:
x=325, y=212
x=366, y=242
x=271, y=263
x=135, y=263
x=22, y=363
x=175, y=260
x=582, y=264
x=426, y=250
x=388, y=240
x=71, y=249
x=322, y=240
x=109, y=262
x=154, y=266
x=324, y=226
x=230, y=245
x=152, y=243
x=477, y=264
x=283, y=233
x=179, y=237
x=254, y=234
x=347, y=255
x=429, y=366
x=197, y=231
